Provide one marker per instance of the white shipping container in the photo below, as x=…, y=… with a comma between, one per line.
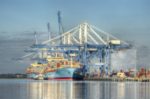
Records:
x=115, y=42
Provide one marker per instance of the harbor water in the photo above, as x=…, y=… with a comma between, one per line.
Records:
x=36, y=89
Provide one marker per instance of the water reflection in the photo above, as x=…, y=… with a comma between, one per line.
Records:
x=30, y=89
x=55, y=90
x=88, y=90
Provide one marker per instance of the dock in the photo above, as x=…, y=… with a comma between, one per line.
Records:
x=118, y=79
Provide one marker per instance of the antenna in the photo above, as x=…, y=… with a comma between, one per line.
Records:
x=49, y=32
x=61, y=29
x=35, y=35
x=59, y=21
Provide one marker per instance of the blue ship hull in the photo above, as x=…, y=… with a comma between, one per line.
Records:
x=64, y=74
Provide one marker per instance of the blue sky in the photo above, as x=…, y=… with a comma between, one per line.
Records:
x=126, y=19
x=29, y=15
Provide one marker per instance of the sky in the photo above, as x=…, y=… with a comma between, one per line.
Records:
x=126, y=19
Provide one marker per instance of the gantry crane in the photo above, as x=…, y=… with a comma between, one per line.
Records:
x=83, y=43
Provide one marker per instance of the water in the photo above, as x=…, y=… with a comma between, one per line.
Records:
x=31, y=89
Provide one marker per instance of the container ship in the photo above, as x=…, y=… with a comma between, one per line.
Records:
x=55, y=68
x=36, y=70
